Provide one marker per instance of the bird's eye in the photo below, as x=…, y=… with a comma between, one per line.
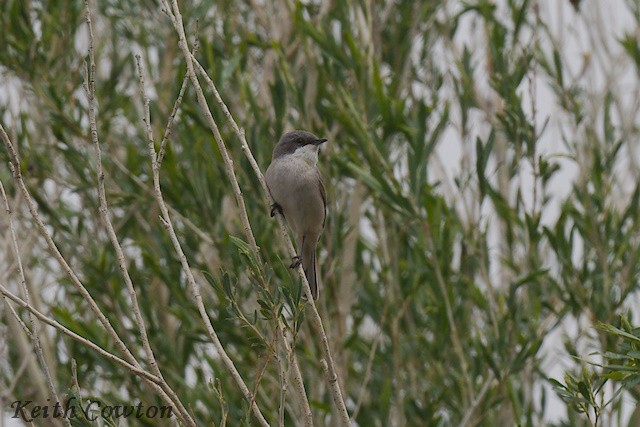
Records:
x=299, y=141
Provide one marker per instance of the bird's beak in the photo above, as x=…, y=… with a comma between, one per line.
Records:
x=320, y=141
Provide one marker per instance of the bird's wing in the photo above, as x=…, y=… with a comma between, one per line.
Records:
x=323, y=193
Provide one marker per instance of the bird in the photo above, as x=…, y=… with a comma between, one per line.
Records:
x=298, y=192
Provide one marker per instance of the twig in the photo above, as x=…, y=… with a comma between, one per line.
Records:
x=282, y=374
x=533, y=90
x=14, y=166
x=217, y=388
x=104, y=213
x=89, y=87
x=455, y=336
x=476, y=402
x=12, y=310
x=316, y=321
x=334, y=386
x=315, y=317
x=155, y=167
x=367, y=376
x=259, y=377
x=35, y=336
x=134, y=369
x=74, y=374
x=298, y=383
x=17, y=377
x=173, y=211
x=228, y=162
x=24, y=327
x=168, y=128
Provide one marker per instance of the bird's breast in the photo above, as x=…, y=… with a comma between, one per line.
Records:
x=294, y=185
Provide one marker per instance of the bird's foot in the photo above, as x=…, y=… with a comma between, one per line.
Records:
x=276, y=208
x=297, y=260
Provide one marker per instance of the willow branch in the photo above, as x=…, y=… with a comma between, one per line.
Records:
x=14, y=165
x=35, y=327
x=316, y=320
x=12, y=310
x=89, y=87
x=169, y=395
x=367, y=375
x=173, y=211
x=315, y=317
x=478, y=399
x=195, y=290
x=281, y=357
x=174, y=111
x=455, y=336
x=298, y=383
x=51, y=322
x=226, y=158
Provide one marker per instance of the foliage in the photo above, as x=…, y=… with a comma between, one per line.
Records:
x=442, y=287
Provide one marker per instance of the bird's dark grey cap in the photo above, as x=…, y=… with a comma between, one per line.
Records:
x=293, y=140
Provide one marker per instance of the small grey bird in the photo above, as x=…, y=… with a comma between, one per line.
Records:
x=297, y=189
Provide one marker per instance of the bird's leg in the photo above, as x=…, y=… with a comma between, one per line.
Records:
x=276, y=208
x=297, y=260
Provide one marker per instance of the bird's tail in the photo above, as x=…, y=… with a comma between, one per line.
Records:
x=309, y=266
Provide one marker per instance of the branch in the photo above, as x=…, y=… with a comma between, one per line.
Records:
x=367, y=375
x=104, y=213
x=228, y=162
x=134, y=369
x=298, y=383
x=316, y=320
x=282, y=374
x=173, y=211
x=14, y=165
x=315, y=316
x=35, y=327
x=89, y=86
x=155, y=167
x=476, y=402
x=17, y=377
x=12, y=310
x=167, y=130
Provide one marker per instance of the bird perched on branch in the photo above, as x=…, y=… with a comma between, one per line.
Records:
x=297, y=189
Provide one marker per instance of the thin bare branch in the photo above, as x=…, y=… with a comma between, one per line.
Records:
x=316, y=320
x=169, y=395
x=173, y=211
x=195, y=290
x=231, y=174
x=367, y=376
x=104, y=207
x=35, y=327
x=13, y=312
x=228, y=162
x=298, y=383
x=51, y=322
x=17, y=378
x=478, y=399
x=17, y=174
x=14, y=165
x=168, y=129
x=282, y=374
